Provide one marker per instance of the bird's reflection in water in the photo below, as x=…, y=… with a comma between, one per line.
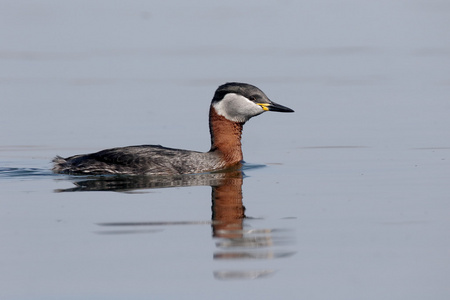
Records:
x=234, y=240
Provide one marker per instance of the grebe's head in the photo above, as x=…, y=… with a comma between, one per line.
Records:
x=238, y=102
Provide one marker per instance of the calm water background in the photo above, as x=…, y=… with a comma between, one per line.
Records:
x=354, y=197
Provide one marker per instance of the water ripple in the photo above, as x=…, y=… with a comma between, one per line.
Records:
x=7, y=172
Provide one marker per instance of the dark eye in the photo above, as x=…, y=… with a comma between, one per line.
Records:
x=252, y=98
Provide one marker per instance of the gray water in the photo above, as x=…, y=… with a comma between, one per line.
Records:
x=347, y=198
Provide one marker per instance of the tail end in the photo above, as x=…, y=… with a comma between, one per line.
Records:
x=60, y=164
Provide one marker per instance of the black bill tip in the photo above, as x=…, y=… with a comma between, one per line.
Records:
x=278, y=107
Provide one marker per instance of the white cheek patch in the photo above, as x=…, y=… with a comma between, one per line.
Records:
x=237, y=108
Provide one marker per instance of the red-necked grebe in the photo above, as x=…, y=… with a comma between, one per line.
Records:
x=233, y=105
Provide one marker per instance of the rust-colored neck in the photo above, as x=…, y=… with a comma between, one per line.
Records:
x=225, y=138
